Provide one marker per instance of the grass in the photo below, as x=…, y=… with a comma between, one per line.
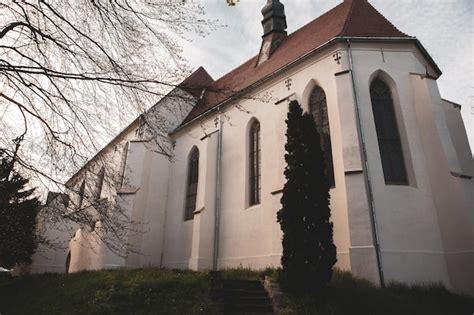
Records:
x=160, y=291
x=239, y=274
x=349, y=295
x=144, y=291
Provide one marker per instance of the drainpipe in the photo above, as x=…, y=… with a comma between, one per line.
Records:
x=217, y=201
x=365, y=166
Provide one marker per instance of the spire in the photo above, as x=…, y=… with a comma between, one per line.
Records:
x=274, y=19
x=274, y=28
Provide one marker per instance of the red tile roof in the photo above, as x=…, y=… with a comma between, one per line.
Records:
x=198, y=80
x=354, y=18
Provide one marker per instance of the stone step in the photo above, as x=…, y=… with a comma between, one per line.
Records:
x=243, y=293
x=248, y=308
x=237, y=300
x=241, y=284
x=243, y=297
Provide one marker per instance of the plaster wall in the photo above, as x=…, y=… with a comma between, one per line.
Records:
x=251, y=236
x=52, y=259
x=425, y=228
x=417, y=235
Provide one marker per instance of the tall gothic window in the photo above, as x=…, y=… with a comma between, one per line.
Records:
x=388, y=136
x=123, y=164
x=99, y=183
x=191, y=189
x=319, y=109
x=82, y=191
x=254, y=164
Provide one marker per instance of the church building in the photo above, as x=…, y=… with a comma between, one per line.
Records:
x=397, y=155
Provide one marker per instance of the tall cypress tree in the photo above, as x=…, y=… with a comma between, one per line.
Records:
x=18, y=212
x=309, y=253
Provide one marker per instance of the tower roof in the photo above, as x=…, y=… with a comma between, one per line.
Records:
x=352, y=18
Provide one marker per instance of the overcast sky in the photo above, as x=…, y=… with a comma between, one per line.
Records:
x=444, y=27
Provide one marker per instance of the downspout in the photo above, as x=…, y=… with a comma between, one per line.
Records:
x=217, y=200
x=365, y=166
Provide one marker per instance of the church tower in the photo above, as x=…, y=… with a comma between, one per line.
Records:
x=274, y=28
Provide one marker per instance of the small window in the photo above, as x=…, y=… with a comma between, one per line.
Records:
x=319, y=109
x=123, y=164
x=254, y=164
x=388, y=137
x=192, y=187
x=100, y=183
x=82, y=191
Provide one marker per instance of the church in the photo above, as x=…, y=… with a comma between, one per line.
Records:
x=397, y=155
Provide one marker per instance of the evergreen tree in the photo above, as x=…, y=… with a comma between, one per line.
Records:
x=18, y=212
x=309, y=253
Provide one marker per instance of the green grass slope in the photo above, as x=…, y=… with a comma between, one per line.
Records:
x=352, y=296
x=159, y=291
x=147, y=291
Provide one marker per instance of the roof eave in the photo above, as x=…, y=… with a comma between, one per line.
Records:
x=133, y=124
x=407, y=38
x=302, y=58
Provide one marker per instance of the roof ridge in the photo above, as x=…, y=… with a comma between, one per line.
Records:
x=348, y=17
x=195, y=72
x=316, y=18
x=387, y=20
x=353, y=18
x=292, y=34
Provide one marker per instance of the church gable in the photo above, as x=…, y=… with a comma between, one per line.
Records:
x=352, y=18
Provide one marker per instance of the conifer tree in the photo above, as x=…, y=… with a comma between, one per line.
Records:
x=18, y=212
x=309, y=253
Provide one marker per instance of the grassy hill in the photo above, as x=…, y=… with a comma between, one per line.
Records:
x=159, y=291
x=144, y=291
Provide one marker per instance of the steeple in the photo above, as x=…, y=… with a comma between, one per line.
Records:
x=274, y=28
x=274, y=19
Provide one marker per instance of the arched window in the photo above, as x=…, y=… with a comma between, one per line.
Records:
x=254, y=164
x=192, y=186
x=99, y=183
x=319, y=109
x=82, y=192
x=388, y=136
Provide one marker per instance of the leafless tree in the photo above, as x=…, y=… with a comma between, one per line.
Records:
x=73, y=72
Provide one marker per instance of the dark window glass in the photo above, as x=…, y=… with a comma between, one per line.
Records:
x=254, y=164
x=388, y=136
x=191, y=191
x=319, y=109
x=123, y=164
x=100, y=183
x=82, y=191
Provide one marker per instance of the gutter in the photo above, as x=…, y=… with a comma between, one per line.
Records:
x=305, y=57
x=365, y=166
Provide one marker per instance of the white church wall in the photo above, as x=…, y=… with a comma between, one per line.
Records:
x=407, y=224
x=250, y=236
x=457, y=133
x=454, y=214
x=203, y=235
x=425, y=228
x=179, y=233
x=52, y=259
x=363, y=260
x=87, y=251
x=411, y=219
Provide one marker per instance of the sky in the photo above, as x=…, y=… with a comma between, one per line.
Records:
x=444, y=27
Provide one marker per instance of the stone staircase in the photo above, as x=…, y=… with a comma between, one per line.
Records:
x=244, y=297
